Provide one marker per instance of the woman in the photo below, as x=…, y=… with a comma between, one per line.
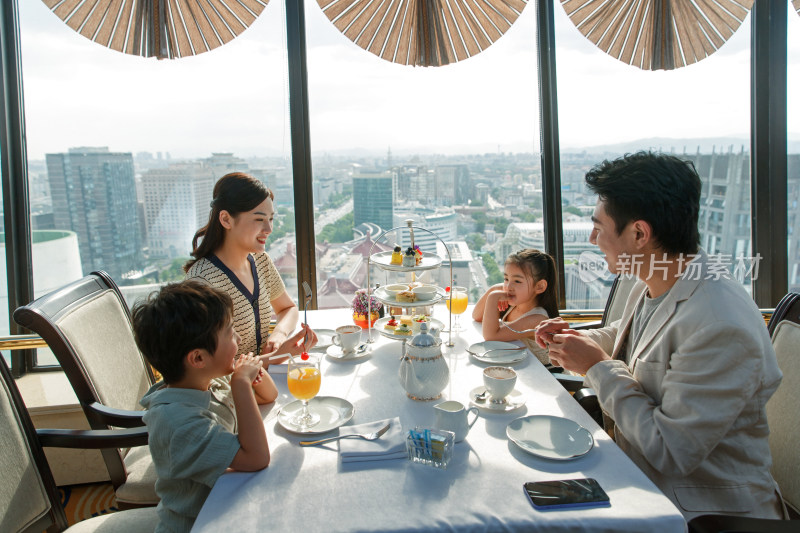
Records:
x=230, y=256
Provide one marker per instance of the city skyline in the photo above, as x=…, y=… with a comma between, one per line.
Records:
x=233, y=99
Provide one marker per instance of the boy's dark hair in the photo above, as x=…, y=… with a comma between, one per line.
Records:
x=660, y=189
x=177, y=319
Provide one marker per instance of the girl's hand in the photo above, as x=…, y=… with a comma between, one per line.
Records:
x=500, y=299
x=247, y=368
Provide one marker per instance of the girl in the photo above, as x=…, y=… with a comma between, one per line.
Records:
x=230, y=256
x=526, y=297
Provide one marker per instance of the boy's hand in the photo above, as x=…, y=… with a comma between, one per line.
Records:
x=247, y=368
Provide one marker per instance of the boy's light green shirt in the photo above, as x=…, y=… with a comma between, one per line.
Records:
x=192, y=440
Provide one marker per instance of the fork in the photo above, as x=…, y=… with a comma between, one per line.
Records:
x=309, y=294
x=366, y=436
x=486, y=353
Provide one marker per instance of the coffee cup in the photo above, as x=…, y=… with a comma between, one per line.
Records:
x=499, y=381
x=348, y=337
x=452, y=416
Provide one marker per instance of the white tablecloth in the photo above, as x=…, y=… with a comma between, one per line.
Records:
x=310, y=490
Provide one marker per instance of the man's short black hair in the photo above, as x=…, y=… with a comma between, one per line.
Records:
x=660, y=189
x=177, y=319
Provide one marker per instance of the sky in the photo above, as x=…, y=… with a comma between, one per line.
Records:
x=234, y=98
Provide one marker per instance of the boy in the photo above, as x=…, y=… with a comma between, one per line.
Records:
x=186, y=332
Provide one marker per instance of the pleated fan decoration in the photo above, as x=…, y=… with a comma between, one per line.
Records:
x=158, y=28
x=428, y=33
x=658, y=34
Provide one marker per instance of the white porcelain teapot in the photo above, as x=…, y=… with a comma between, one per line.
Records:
x=423, y=370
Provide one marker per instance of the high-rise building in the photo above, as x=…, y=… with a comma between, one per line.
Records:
x=176, y=203
x=373, y=198
x=452, y=184
x=94, y=195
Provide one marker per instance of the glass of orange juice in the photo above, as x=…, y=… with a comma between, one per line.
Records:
x=456, y=302
x=303, y=380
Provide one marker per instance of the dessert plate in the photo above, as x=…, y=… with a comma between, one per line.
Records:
x=333, y=412
x=381, y=322
x=384, y=259
x=335, y=353
x=324, y=338
x=551, y=437
x=388, y=298
x=498, y=352
x=514, y=401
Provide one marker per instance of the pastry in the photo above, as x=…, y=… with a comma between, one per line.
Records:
x=406, y=319
x=410, y=259
x=397, y=256
x=417, y=255
x=406, y=296
x=402, y=329
x=391, y=325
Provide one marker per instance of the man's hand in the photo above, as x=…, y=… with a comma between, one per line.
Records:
x=547, y=328
x=574, y=351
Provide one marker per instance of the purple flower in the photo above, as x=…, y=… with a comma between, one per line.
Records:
x=360, y=303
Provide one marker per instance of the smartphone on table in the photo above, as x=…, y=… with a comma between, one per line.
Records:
x=566, y=494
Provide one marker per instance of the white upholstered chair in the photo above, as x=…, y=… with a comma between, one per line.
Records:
x=87, y=325
x=29, y=500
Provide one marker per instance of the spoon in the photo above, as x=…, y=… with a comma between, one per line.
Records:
x=482, y=396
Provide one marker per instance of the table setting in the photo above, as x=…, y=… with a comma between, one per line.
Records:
x=455, y=461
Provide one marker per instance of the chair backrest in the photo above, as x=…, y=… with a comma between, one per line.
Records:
x=615, y=304
x=29, y=499
x=87, y=325
x=782, y=408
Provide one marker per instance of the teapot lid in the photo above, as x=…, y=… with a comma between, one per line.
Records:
x=423, y=338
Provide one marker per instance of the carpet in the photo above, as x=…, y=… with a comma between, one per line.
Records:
x=86, y=501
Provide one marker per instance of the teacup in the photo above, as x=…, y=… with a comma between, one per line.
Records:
x=499, y=381
x=348, y=337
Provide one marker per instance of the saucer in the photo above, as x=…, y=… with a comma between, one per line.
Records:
x=514, y=401
x=333, y=412
x=335, y=353
x=551, y=437
x=324, y=339
x=483, y=352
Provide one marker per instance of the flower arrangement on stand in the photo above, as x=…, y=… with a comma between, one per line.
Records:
x=361, y=307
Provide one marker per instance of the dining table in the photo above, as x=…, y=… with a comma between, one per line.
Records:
x=311, y=489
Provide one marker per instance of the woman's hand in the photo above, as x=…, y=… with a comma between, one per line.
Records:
x=274, y=341
x=294, y=344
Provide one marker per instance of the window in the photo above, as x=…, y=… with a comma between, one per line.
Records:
x=793, y=161
x=451, y=148
x=124, y=153
x=607, y=108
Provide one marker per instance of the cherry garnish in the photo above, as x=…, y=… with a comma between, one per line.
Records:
x=304, y=356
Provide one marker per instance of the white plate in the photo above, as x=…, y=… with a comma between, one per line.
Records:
x=324, y=338
x=551, y=437
x=390, y=299
x=333, y=412
x=428, y=262
x=335, y=353
x=514, y=401
x=513, y=355
x=381, y=322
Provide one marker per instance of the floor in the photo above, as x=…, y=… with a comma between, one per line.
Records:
x=85, y=501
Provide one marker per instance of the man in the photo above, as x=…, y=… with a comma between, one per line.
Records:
x=686, y=373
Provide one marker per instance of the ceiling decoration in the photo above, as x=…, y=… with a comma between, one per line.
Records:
x=658, y=34
x=158, y=28
x=428, y=33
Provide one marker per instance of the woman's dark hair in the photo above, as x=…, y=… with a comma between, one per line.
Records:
x=179, y=318
x=235, y=193
x=538, y=265
x=660, y=189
